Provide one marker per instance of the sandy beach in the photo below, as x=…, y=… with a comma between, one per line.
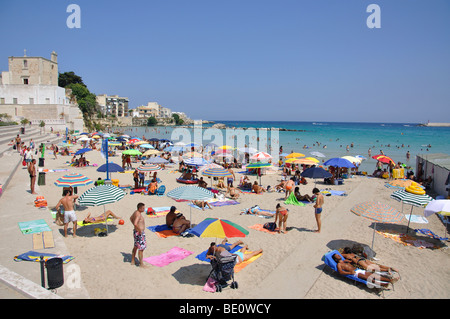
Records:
x=290, y=266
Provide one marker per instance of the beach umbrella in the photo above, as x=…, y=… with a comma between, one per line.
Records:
x=352, y=159
x=196, y=161
x=156, y=160
x=148, y=168
x=110, y=167
x=383, y=159
x=378, y=213
x=249, y=150
x=219, y=228
x=188, y=146
x=261, y=156
x=140, y=143
x=226, y=147
x=73, y=180
x=304, y=161
x=191, y=192
x=210, y=165
x=317, y=154
x=316, y=172
x=414, y=200
x=258, y=165
x=151, y=152
x=216, y=172
x=292, y=155
x=438, y=206
x=83, y=150
x=132, y=152
x=100, y=196
x=146, y=145
x=312, y=159
x=339, y=162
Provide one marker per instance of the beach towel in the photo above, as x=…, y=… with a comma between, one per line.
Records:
x=175, y=254
x=34, y=226
x=159, y=211
x=416, y=219
x=221, y=203
x=36, y=257
x=237, y=267
x=330, y=192
x=162, y=231
x=407, y=240
x=292, y=200
x=81, y=224
x=260, y=227
x=198, y=207
x=43, y=240
x=429, y=233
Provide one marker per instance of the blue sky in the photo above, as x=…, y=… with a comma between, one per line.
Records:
x=279, y=60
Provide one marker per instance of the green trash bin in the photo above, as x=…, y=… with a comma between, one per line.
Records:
x=41, y=178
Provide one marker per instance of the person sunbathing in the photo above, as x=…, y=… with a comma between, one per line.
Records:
x=257, y=189
x=256, y=210
x=344, y=267
x=180, y=224
x=365, y=263
x=300, y=197
x=201, y=204
x=222, y=250
x=101, y=218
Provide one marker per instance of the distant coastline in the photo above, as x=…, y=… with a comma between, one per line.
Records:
x=436, y=124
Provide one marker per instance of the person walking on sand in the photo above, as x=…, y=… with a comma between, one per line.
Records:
x=32, y=172
x=318, y=208
x=281, y=215
x=140, y=242
x=69, y=213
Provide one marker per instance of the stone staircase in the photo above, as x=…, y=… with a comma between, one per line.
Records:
x=10, y=159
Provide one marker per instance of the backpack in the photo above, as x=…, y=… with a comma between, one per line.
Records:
x=270, y=226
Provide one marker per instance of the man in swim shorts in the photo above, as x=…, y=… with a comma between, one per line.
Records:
x=140, y=241
x=318, y=208
x=68, y=201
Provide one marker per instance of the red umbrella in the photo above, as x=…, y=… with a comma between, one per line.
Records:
x=383, y=158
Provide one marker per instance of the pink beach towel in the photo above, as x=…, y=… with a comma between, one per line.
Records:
x=176, y=253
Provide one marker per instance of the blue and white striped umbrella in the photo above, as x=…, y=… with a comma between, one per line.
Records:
x=156, y=160
x=216, y=172
x=411, y=199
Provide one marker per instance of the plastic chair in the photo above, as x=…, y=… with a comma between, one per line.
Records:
x=160, y=191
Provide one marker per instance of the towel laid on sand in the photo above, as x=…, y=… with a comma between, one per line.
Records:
x=35, y=256
x=34, y=226
x=292, y=200
x=416, y=219
x=81, y=224
x=175, y=254
x=429, y=233
x=162, y=231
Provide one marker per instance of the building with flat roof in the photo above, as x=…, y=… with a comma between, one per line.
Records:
x=436, y=166
x=29, y=90
x=113, y=105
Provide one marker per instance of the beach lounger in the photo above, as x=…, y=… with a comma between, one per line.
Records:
x=329, y=261
x=160, y=191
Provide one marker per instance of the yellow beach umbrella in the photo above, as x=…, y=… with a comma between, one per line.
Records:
x=226, y=147
x=151, y=152
x=293, y=155
x=312, y=159
x=303, y=161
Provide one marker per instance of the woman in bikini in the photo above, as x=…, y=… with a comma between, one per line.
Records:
x=101, y=218
x=365, y=263
x=281, y=215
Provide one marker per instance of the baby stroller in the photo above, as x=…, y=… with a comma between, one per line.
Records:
x=223, y=271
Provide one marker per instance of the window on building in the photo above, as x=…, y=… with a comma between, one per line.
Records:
x=31, y=100
x=14, y=100
x=25, y=81
x=25, y=63
x=2, y=100
x=47, y=100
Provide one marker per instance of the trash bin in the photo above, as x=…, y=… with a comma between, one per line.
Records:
x=41, y=161
x=22, y=130
x=55, y=273
x=41, y=178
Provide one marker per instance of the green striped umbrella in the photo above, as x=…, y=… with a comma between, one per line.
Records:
x=258, y=165
x=100, y=196
x=411, y=199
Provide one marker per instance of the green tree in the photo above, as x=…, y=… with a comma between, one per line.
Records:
x=178, y=120
x=66, y=78
x=152, y=121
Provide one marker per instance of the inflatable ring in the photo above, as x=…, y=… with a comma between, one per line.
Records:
x=415, y=190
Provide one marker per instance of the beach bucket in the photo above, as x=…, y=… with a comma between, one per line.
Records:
x=55, y=274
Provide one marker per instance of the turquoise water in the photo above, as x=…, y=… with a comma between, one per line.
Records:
x=394, y=139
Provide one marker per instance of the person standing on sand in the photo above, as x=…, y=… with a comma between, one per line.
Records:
x=69, y=213
x=32, y=172
x=140, y=242
x=318, y=208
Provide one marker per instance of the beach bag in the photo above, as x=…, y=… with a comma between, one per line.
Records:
x=24, y=163
x=150, y=211
x=270, y=226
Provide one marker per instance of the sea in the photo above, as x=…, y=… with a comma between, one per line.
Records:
x=331, y=139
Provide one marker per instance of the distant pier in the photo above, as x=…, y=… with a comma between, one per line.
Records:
x=436, y=124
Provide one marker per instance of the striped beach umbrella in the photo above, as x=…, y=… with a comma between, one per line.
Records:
x=148, y=168
x=156, y=160
x=191, y=192
x=378, y=213
x=411, y=199
x=219, y=228
x=73, y=180
x=100, y=196
x=195, y=161
x=216, y=172
x=261, y=156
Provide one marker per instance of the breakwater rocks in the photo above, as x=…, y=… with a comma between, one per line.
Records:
x=222, y=126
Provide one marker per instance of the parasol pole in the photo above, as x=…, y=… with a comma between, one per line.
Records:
x=409, y=220
x=373, y=237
